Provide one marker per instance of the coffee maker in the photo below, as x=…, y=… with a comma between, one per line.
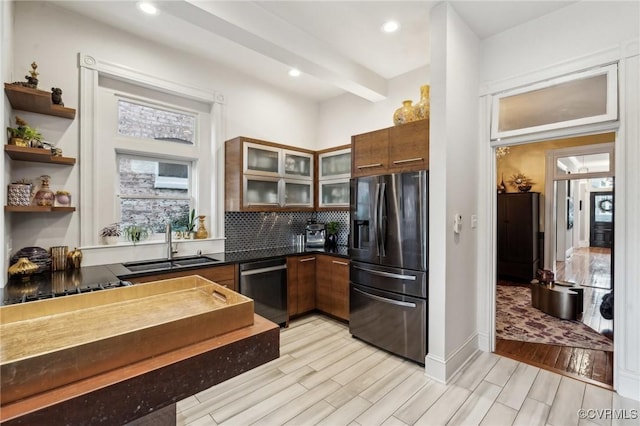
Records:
x=316, y=233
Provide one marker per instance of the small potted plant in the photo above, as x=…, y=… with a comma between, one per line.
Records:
x=136, y=233
x=24, y=135
x=332, y=234
x=191, y=224
x=110, y=233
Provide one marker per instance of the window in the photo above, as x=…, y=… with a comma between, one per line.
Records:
x=146, y=121
x=147, y=149
x=582, y=98
x=153, y=192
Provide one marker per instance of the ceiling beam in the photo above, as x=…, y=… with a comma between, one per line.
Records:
x=251, y=26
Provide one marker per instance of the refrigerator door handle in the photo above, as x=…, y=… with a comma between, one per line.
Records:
x=385, y=300
x=376, y=218
x=382, y=223
x=386, y=274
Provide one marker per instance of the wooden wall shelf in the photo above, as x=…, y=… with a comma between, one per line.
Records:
x=39, y=209
x=39, y=155
x=34, y=100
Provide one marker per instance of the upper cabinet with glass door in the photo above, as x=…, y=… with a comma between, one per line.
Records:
x=334, y=171
x=266, y=176
x=583, y=98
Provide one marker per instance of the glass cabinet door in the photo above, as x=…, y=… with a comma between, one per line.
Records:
x=334, y=193
x=298, y=165
x=298, y=193
x=334, y=165
x=261, y=160
x=261, y=191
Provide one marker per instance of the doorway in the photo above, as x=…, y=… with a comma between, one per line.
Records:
x=565, y=247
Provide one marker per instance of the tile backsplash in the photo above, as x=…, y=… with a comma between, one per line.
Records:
x=254, y=231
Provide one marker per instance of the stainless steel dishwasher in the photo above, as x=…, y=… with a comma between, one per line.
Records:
x=265, y=281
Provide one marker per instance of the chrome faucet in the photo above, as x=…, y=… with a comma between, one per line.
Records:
x=169, y=240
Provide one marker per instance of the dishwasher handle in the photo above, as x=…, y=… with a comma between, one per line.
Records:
x=263, y=270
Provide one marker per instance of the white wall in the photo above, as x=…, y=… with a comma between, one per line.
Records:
x=6, y=57
x=453, y=170
x=346, y=115
x=586, y=33
x=579, y=29
x=53, y=37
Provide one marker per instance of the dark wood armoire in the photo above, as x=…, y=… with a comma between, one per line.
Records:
x=518, y=223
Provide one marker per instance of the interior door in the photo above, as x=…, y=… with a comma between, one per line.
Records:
x=601, y=220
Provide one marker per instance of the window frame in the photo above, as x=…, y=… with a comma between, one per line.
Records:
x=207, y=172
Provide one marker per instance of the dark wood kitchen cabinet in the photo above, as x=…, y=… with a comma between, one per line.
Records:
x=518, y=225
x=301, y=284
x=332, y=286
x=224, y=275
x=395, y=149
x=370, y=153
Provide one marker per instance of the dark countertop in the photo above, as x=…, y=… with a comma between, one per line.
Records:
x=89, y=278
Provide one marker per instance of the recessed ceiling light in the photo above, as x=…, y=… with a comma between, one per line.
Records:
x=390, y=27
x=147, y=8
x=294, y=72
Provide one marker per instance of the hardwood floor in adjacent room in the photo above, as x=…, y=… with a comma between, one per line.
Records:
x=326, y=377
x=590, y=268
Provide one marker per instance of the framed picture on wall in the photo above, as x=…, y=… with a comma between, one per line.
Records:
x=569, y=212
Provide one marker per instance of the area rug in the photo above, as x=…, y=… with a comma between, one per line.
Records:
x=516, y=319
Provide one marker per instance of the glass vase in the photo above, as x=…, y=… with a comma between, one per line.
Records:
x=44, y=196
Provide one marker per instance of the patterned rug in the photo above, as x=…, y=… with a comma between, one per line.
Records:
x=516, y=319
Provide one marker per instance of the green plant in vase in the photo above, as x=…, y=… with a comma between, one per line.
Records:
x=332, y=233
x=136, y=233
x=24, y=135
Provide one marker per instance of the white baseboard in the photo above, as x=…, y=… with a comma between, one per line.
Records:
x=484, y=342
x=442, y=370
x=628, y=385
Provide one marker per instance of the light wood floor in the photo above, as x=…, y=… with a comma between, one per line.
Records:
x=590, y=267
x=324, y=376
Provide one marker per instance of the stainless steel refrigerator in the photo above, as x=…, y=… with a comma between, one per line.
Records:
x=388, y=250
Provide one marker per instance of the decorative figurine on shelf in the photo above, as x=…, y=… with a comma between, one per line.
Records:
x=56, y=96
x=32, y=78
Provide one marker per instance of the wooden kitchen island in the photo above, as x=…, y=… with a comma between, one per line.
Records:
x=134, y=375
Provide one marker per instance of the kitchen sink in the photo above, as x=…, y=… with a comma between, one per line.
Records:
x=189, y=261
x=149, y=266
x=164, y=264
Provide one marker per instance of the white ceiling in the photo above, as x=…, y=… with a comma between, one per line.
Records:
x=338, y=45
